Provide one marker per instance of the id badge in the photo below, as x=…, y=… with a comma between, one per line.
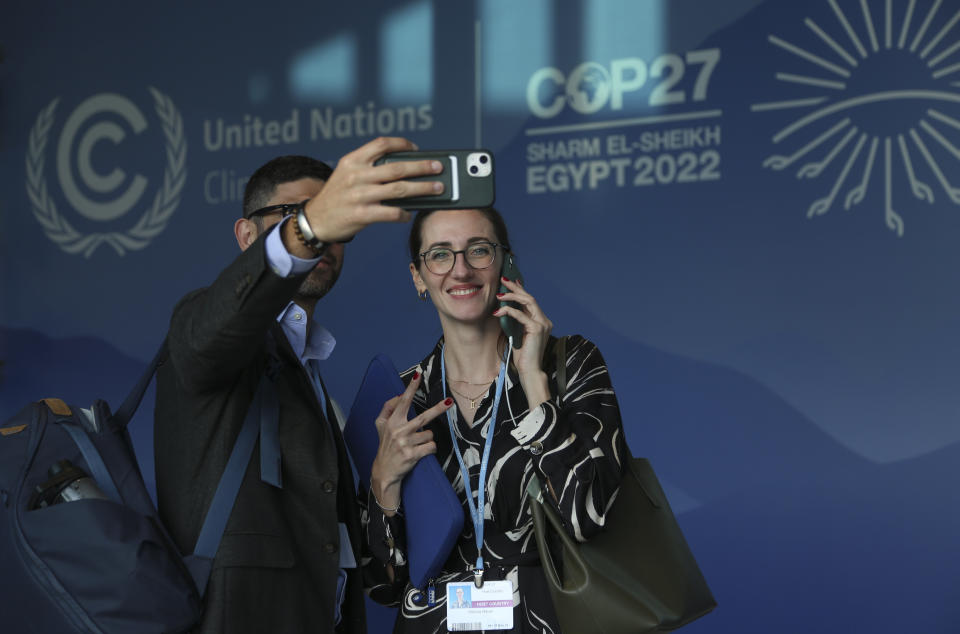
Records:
x=473, y=608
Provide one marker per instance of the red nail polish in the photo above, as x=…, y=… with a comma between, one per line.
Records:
x=500, y=294
x=496, y=311
x=416, y=375
x=505, y=278
x=449, y=401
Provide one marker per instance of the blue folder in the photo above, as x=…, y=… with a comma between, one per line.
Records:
x=431, y=509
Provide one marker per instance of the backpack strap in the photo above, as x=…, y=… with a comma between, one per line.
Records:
x=130, y=404
x=263, y=414
x=260, y=414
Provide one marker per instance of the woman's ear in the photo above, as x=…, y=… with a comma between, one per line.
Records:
x=246, y=232
x=418, y=282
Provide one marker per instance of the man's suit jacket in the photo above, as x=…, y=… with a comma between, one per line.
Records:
x=277, y=565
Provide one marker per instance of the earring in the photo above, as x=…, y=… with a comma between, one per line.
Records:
x=423, y=295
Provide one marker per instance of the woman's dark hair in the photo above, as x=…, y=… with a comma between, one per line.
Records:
x=416, y=230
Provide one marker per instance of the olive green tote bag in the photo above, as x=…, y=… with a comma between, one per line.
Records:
x=636, y=575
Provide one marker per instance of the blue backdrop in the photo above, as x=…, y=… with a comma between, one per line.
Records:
x=751, y=206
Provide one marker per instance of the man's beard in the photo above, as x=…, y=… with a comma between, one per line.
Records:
x=318, y=284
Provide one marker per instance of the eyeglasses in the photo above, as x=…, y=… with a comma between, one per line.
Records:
x=479, y=255
x=285, y=208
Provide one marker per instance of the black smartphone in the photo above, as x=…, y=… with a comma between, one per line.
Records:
x=511, y=327
x=467, y=177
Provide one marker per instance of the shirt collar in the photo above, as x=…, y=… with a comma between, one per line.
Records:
x=315, y=342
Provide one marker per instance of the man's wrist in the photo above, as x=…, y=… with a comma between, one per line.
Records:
x=290, y=243
x=305, y=234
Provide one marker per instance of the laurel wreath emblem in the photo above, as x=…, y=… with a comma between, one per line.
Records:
x=148, y=226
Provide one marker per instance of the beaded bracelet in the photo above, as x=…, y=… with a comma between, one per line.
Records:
x=382, y=507
x=305, y=234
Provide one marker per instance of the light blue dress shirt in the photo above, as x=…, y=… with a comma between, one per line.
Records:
x=312, y=345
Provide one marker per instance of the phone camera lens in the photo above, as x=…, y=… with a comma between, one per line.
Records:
x=484, y=158
x=474, y=169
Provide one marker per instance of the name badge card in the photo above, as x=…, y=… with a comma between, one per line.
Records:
x=473, y=608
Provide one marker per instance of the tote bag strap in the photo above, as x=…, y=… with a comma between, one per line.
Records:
x=560, y=351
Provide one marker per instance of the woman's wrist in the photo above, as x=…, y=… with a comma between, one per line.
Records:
x=536, y=387
x=387, y=509
x=385, y=495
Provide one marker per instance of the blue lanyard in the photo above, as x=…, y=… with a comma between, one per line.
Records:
x=476, y=510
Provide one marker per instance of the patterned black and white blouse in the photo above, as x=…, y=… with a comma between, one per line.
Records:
x=575, y=445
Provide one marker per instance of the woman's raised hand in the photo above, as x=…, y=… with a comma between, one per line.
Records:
x=402, y=444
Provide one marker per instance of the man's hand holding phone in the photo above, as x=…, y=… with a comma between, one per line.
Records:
x=468, y=179
x=353, y=197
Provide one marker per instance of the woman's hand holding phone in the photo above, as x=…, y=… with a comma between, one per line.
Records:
x=517, y=304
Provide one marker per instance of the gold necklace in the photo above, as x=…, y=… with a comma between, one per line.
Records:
x=487, y=382
x=473, y=399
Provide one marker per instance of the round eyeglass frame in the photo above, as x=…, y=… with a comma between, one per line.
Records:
x=453, y=262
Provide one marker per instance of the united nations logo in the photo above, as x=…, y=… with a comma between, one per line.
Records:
x=875, y=97
x=104, y=198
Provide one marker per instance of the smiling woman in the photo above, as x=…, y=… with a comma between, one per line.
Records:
x=491, y=413
x=456, y=269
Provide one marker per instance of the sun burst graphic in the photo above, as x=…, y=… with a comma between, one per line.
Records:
x=855, y=125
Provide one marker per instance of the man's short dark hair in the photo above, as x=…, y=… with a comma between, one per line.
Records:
x=283, y=169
